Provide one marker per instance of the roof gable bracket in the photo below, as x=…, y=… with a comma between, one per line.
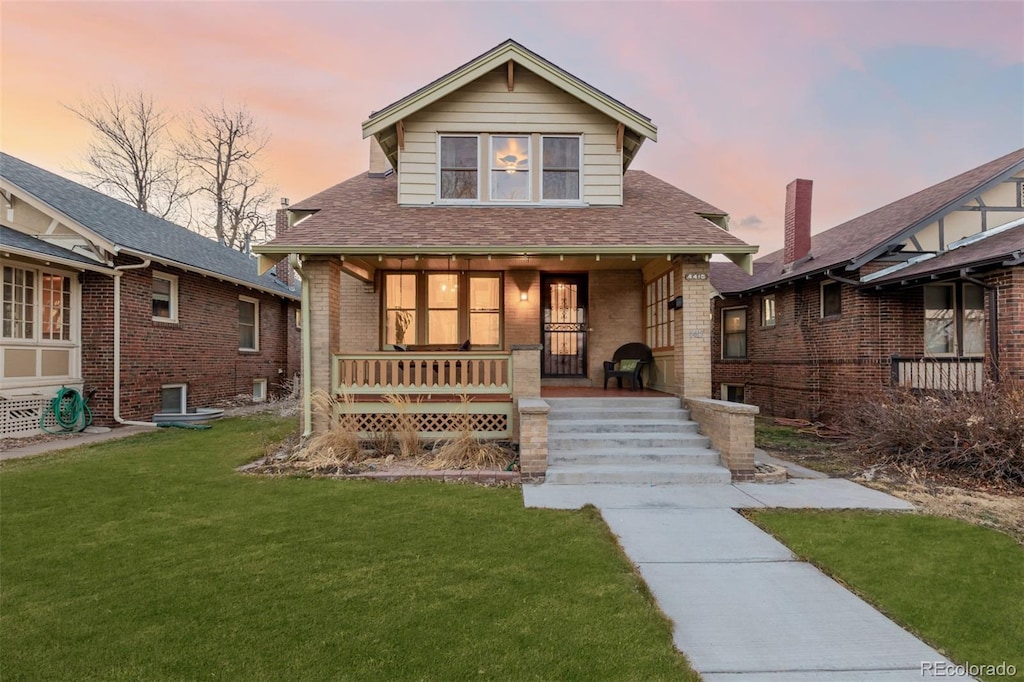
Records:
x=913, y=229
x=511, y=76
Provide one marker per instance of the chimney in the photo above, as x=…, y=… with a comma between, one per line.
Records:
x=380, y=167
x=798, y=220
x=282, y=269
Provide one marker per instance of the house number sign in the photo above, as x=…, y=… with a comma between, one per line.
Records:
x=695, y=275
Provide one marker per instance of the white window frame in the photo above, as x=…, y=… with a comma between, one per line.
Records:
x=184, y=398
x=173, y=279
x=746, y=335
x=540, y=156
x=262, y=384
x=725, y=392
x=479, y=182
x=765, y=322
x=491, y=169
x=256, y=325
x=821, y=299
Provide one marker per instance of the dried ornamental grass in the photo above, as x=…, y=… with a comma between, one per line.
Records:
x=466, y=451
x=338, y=444
x=406, y=432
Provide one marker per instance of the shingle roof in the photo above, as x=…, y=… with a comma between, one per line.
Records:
x=136, y=230
x=849, y=241
x=363, y=212
x=17, y=240
x=991, y=250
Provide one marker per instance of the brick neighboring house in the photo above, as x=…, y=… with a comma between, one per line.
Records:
x=926, y=292
x=512, y=250
x=197, y=325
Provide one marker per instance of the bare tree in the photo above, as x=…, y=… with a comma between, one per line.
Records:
x=221, y=147
x=131, y=156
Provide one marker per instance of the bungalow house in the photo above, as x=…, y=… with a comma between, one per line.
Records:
x=513, y=251
x=140, y=314
x=925, y=293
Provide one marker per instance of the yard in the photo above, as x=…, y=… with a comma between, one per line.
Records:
x=955, y=585
x=152, y=558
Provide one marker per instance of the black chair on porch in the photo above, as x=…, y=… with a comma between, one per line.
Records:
x=626, y=363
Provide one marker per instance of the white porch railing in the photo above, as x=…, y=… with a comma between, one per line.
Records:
x=938, y=373
x=433, y=383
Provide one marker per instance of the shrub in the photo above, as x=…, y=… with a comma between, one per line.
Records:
x=980, y=434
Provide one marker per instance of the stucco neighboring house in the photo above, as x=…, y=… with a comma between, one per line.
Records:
x=514, y=228
x=926, y=292
x=143, y=315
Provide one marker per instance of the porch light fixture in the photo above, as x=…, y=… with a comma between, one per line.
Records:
x=675, y=303
x=524, y=296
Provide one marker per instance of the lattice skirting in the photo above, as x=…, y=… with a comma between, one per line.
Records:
x=484, y=423
x=19, y=416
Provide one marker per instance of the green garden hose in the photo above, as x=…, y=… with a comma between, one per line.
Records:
x=69, y=410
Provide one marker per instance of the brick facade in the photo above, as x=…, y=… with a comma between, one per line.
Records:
x=813, y=367
x=199, y=350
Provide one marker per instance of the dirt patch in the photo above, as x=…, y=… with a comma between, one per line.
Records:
x=998, y=507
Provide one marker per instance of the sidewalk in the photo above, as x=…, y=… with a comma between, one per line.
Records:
x=743, y=606
x=73, y=440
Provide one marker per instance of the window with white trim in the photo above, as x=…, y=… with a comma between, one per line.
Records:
x=459, y=168
x=562, y=160
x=768, y=310
x=510, y=167
x=734, y=333
x=734, y=393
x=36, y=305
x=259, y=390
x=165, y=297
x=174, y=398
x=248, y=323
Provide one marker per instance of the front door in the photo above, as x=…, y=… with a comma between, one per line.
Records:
x=563, y=304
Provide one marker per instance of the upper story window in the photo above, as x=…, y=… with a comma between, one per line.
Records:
x=561, y=157
x=460, y=161
x=510, y=168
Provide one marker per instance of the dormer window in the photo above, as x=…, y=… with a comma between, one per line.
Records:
x=560, y=180
x=510, y=168
x=460, y=159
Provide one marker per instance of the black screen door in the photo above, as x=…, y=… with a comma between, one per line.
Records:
x=563, y=325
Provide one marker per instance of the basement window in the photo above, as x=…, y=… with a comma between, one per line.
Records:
x=259, y=390
x=174, y=399
x=734, y=393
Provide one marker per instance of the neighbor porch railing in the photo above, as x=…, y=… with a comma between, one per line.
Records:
x=443, y=390
x=938, y=373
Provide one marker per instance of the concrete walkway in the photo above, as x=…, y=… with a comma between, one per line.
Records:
x=743, y=606
x=72, y=440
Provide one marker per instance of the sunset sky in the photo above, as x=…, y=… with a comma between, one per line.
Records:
x=872, y=101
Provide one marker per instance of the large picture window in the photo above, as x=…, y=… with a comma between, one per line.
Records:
x=734, y=333
x=658, y=319
x=560, y=179
x=954, y=319
x=460, y=160
x=442, y=308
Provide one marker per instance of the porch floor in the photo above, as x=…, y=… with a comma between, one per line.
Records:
x=598, y=392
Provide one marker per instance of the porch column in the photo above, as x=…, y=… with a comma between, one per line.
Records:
x=525, y=378
x=692, y=353
x=324, y=275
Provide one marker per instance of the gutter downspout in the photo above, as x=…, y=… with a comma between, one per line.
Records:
x=307, y=361
x=993, y=320
x=118, y=271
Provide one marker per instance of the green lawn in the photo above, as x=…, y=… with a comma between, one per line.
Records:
x=957, y=586
x=151, y=558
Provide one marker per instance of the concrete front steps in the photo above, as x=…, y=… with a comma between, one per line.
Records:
x=638, y=441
